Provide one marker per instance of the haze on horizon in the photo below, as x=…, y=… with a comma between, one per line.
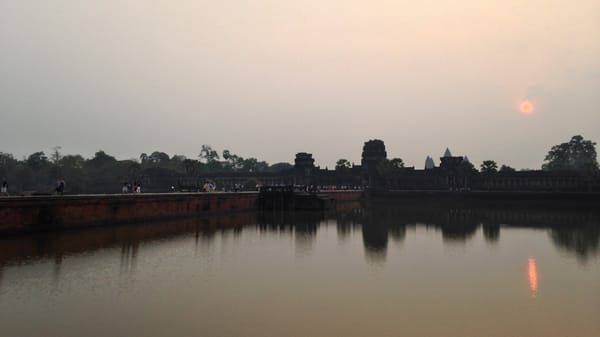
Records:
x=271, y=78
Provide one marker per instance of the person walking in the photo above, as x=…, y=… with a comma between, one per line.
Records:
x=60, y=187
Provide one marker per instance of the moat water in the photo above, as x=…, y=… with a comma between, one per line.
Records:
x=383, y=270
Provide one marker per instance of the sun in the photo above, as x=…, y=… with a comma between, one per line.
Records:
x=526, y=107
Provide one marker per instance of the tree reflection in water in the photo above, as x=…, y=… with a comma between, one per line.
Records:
x=582, y=240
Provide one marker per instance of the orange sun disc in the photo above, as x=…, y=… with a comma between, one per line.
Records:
x=526, y=107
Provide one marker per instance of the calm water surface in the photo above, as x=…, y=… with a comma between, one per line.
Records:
x=379, y=271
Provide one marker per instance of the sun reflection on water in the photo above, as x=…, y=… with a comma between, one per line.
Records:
x=533, y=277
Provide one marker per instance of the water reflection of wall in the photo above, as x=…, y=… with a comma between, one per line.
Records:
x=573, y=229
x=302, y=225
x=56, y=245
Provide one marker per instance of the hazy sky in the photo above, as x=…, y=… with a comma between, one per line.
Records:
x=271, y=78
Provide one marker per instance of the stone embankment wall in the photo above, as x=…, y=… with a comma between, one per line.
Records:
x=39, y=213
x=55, y=245
x=52, y=212
x=344, y=196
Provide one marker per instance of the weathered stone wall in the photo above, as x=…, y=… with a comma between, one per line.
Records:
x=60, y=243
x=52, y=212
x=38, y=213
x=344, y=196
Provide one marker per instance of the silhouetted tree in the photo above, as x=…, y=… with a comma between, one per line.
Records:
x=505, y=168
x=143, y=158
x=253, y=165
x=101, y=159
x=37, y=161
x=176, y=163
x=55, y=156
x=7, y=164
x=192, y=167
x=396, y=163
x=103, y=173
x=72, y=161
x=208, y=154
x=342, y=164
x=578, y=154
x=233, y=162
x=489, y=166
x=467, y=168
x=158, y=158
x=280, y=167
x=72, y=169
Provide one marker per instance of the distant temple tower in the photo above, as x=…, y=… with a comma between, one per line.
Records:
x=304, y=160
x=429, y=163
x=448, y=162
x=304, y=164
x=373, y=160
x=455, y=175
x=447, y=153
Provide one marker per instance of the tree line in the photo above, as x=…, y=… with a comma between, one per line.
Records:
x=576, y=155
x=104, y=173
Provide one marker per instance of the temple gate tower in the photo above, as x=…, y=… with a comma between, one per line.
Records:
x=304, y=164
x=373, y=161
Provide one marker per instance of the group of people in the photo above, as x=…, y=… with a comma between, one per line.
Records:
x=129, y=188
x=209, y=187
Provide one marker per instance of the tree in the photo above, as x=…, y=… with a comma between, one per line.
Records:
x=56, y=156
x=208, y=154
x=466, y=167
x=8, y=165
x=143, y=158
x=176, y=163
x=489, y=166
x=191, y=166
x=578, y=154
x=505, y=168
x=158, y=158
x=234, y=162
x=37, y=160
x=6, y=158
x=280, y=167
x=133, y=170
x=396, y=163
x=72, y=161
x=72, y=169
x=253, y=165
x=101, y=159
x=342, y=164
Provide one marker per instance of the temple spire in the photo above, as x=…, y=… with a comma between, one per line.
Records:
x=429, y=163
x=447, y=153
